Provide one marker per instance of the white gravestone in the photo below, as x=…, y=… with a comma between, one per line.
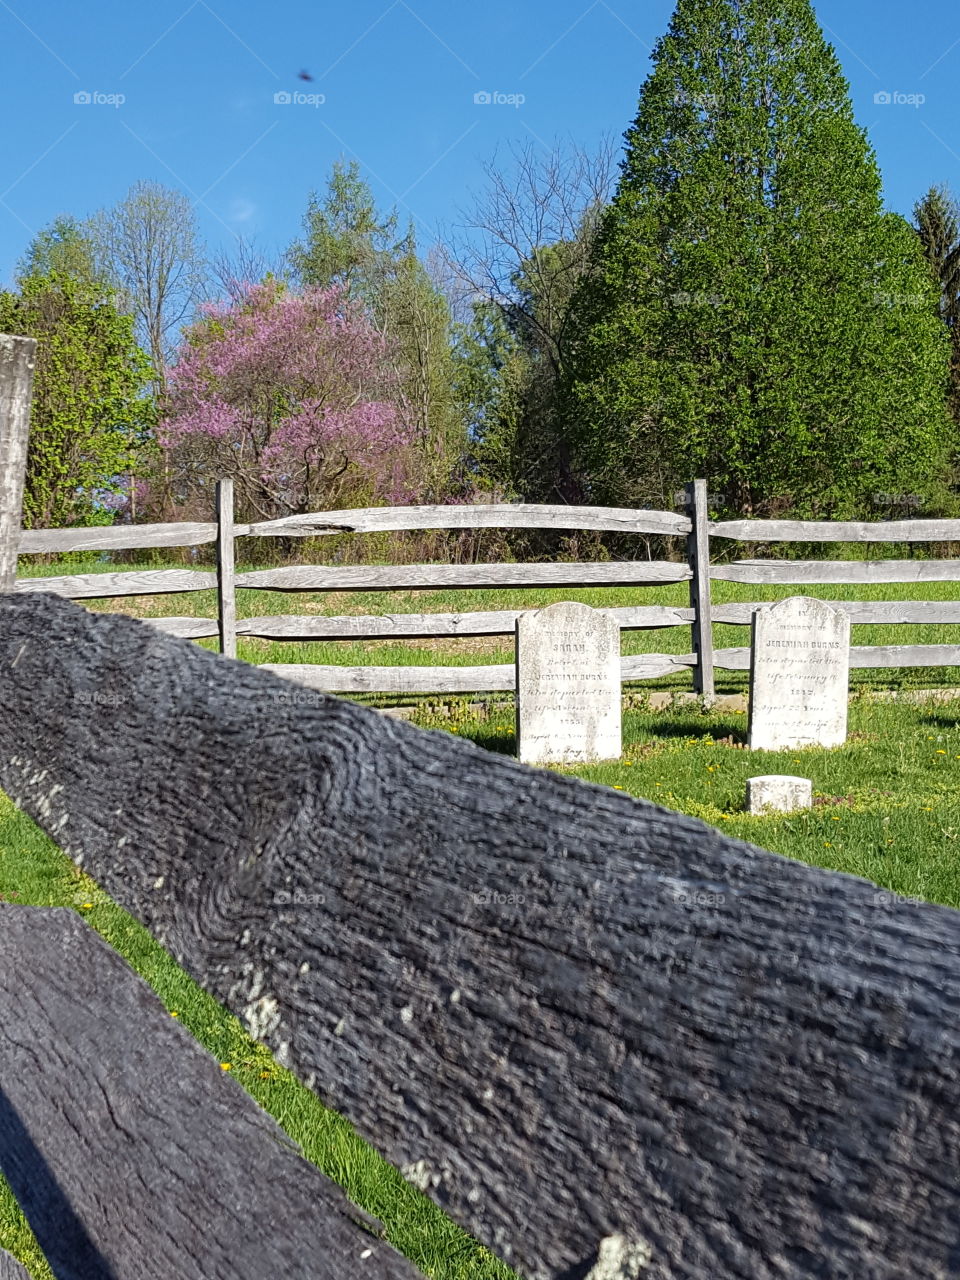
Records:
x=799, y=675
x=568, y=685
x=780, y=792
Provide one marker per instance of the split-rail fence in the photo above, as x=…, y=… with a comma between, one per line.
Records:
x=694, y=527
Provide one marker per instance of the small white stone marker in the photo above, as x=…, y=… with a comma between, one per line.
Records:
x=799, y=675
x=779, y=792
x=568, y=685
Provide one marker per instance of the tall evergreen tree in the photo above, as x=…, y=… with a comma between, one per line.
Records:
x=754, y=315
x=937, y=217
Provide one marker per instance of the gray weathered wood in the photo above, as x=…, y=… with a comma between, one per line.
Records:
x=861, y=611
x=698, y=557
x=17, y=359
x=905, y=655
x=827, y=571
x=332, y=679
x=438, y=577
x=188, y=628
x=11, y=1269
x=226, y=572
x=501, y=516
x=495, y=677
x=135, y=582
x=837, y=530
x=574, y=1014
x=131, y=1152
x=116, y=537
x=396, y=626
x=887, y=655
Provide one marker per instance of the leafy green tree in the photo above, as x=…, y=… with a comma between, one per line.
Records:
x=937, y=218
x=89, y=422
x=347, y=243
x=755, y=316
x=350, y=245
x=65, y=246
x=489, y=380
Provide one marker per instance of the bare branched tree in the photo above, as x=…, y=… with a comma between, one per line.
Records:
x=232, y=270
x=525, y=242
x=150, y=250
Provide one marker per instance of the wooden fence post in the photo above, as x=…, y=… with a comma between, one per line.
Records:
x=17, y=357
x=226, y=577
x=698, y=556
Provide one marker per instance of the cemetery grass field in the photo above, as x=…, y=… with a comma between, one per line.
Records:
x=887, y=807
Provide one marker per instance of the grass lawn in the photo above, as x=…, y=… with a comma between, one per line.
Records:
x=887, y=807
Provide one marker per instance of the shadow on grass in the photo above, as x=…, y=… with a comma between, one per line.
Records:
x=943, y=719
x=689, y=728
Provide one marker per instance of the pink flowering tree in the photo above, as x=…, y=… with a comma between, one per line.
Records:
x=295, y=396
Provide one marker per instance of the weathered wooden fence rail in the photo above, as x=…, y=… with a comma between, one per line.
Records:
x=696, y=569
x=130, y=1151
x=591, y=1029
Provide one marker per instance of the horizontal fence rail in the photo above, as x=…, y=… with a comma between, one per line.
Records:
x=135, y=582
x=837, y=531
x=696, y=570
x=824, y=572
x=514, y=515
x=464, y=577
x=174, y=1172
x=607, y=1039
x=121, y=537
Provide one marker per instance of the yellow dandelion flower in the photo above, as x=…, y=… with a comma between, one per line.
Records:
x=265, y=1075
x=87, y=906
x=618, y=788
x=174, y=1014
x=940, y=753
x=225, y=1066
x=827, y=844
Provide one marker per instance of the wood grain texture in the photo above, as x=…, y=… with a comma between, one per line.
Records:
x=499, y=516
x=398, y=626
x=446, y=577
x=698, y=557
x=17, y=361
x=226, y=570
x=837, y=530
x=117, y=537
x=416, y=679
x=131, y=1152
x=188, y=628
x=97, y=586
x=860, y=611
x=827, y=571
x=11, y=1269
x=577, y=1015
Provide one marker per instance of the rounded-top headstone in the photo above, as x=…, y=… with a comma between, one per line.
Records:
x=568, y=685
x=799, y=675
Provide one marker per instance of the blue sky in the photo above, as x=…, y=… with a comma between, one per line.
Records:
x=398, y=77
